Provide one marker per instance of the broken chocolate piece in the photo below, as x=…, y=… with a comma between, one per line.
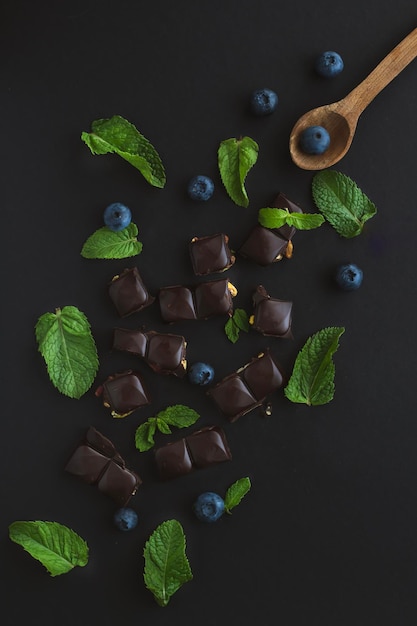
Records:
x=210, y=254
x=271, y=317
x=129, y=293
x=165, y=353
x=124, y=393
x=268, y=245
x=205, y=300
x=242, y=391
x=202, y=448
x=97, y=462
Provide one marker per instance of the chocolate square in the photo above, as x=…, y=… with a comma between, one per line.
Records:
x=233, y=397
x=272, y=317
x=173, y=459
x=166, y=353
x=213, y=298
x=129, y=293
x=263, y=246
x=210, y=254
x=263, y=376
x=124, y=393
x=208, y=446
x=87, y=463
x=177, y=303
x=118, y=482
x=132, y=341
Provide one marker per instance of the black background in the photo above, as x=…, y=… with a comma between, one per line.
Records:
x=327, y=534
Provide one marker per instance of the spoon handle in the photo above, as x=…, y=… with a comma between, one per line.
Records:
x=394, y=63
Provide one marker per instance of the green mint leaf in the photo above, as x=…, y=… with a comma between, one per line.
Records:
x=108, y=244
x=235, y=493
x=341, y=202
x=69, y=350
x=166, y=564
x=144, y=435
x=275, y=218
x=239, y=321
x=312, y=379
x=232, y=330
x=57, y=547
x=117, y=135
x=163, y=427
x=177, y=415
x=235, y=158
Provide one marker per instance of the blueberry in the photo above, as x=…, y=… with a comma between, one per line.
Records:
x=263, y=102
x=209, y=507
x=329, y=64
x=349, y=276
x=200, y=374
x=117, y=216
x=200, y=188
x=314, y=140
x=125, y=519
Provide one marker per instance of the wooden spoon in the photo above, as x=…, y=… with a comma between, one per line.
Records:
x=340, y=118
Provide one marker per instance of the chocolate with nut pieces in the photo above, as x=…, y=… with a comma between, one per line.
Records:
x=269, y=245
x=165, y=353
x=272, y=317
x=210, y=254
x=248, y=388
x=204, y=300
x=123, y=393
x=128, y=292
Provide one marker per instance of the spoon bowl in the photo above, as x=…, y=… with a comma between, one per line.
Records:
x=341, y=134
x=340, y=118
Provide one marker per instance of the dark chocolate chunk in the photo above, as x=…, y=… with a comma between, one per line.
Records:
x=205, y=300
x=210, y=254
x=165, y=353
x=202, y=448
x=263, y=246
x=242, y=391
x=97, y=462
x=268, y=245
x=271, y=316
x=177, y=303
x=124, y=393
x=129, y=293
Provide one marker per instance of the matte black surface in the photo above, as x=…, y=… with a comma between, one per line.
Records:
x=327, y=535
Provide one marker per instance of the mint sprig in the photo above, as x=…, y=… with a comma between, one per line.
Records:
x=239, y=321
x=342, y=203
x=108, y=244
x=57, y=547
x=275, y=218
x=69, y=350
x=177, y=415
x=312, y=379
x=166, y=564
x=117, y=135
x=235, y=493
x=235, y=158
